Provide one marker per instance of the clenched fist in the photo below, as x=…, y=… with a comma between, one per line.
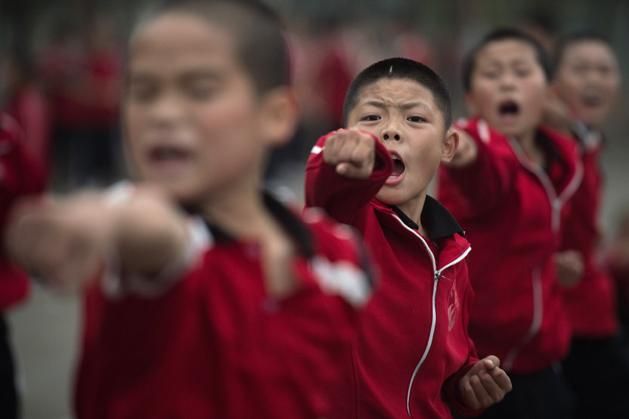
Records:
x=352, y=152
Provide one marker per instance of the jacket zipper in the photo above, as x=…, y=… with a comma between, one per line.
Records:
x=556, y=204
x=433, y=324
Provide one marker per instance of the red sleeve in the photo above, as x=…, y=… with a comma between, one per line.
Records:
x=480, y=186
x=452, y=393
x=341, y=197
x=32, y=114
x=20, y=175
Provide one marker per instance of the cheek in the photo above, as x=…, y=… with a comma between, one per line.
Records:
x=536, y=94
x=482, y=98
x=132, y=133
x=428, y=157
x=228, y=141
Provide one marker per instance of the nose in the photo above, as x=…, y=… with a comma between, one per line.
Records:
x=507, y=82
x=166, y=110
x=391, y=134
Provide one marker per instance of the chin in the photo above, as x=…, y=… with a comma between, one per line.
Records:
x=391, y=197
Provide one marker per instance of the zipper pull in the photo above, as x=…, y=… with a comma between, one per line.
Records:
x=437, y=275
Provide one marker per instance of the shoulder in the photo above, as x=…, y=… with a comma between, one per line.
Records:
x=486, y=138
x=340, y=260
x=563, y=143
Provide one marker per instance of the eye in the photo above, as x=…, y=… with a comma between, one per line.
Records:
x=490, y=74
x=416, y=119
x=370, y=118
x=604, y=70
x=200, y=90
x=142, y=92
x=522, y=71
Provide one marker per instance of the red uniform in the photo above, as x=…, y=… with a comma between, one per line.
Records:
x=581, y=233
x=211, y=343
x=413, y=344
x=512, y=212
x=21, y=174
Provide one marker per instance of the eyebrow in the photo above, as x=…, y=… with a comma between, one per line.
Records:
x=146, y=76
x=404, y=106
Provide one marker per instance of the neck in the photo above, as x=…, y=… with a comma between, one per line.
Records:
x=238, y=209
x=413, y=210
x=530, y=147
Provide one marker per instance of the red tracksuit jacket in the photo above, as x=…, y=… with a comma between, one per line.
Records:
x=413, y=344
x=512, y=212
x=21, y=174
x=592, y=303
x=212, y=344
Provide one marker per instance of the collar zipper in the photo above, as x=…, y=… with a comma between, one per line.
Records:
x=433, y=324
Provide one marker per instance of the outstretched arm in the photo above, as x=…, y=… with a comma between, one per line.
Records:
x=346, y=169
x=65, y=241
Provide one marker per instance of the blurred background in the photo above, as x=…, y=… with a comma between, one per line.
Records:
x=61, y=67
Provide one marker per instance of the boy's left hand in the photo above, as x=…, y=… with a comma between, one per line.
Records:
x=484, y=384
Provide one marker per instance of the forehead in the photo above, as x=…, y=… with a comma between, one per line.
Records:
x=394, y=91
x=178, y=39
x=506, y=50
x=592, y=50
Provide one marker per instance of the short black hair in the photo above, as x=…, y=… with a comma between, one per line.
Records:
x=261, y=47
x=504, y=34
x=570, y=39
x=400, y=68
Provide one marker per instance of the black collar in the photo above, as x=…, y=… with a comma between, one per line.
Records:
x=550, y=150
x=436, y=219
x=288, y=220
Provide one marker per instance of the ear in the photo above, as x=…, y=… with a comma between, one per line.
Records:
x=450, y=144
x=278, y=116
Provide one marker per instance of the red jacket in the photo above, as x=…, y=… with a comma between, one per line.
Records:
x=212, y=344
x=21, y=174
x=512, y=213
x=413, y=344
x=581, y=232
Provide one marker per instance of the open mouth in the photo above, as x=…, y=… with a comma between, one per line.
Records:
x=509, y=108
x=169, y=157
x=398, y=166
x=592, y=100
x=397, y=174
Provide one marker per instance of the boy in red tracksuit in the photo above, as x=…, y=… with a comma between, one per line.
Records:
x=413, y=356
x=510, y=184
x=587, y=81
x=237, y=307
x=21, y=174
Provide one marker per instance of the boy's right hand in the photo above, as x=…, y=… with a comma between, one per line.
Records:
x=352, y=152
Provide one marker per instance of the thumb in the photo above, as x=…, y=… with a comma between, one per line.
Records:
x=485, y=364
x=491, y=362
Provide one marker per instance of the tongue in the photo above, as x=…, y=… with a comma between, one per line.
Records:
x=398, y=168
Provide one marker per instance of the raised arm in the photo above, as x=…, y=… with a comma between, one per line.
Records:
x=481, y=173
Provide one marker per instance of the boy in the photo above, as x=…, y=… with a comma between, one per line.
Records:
x=587, y=81
x=413, y=357
x=238, y=311
x=509, y=184
x=21, y=174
